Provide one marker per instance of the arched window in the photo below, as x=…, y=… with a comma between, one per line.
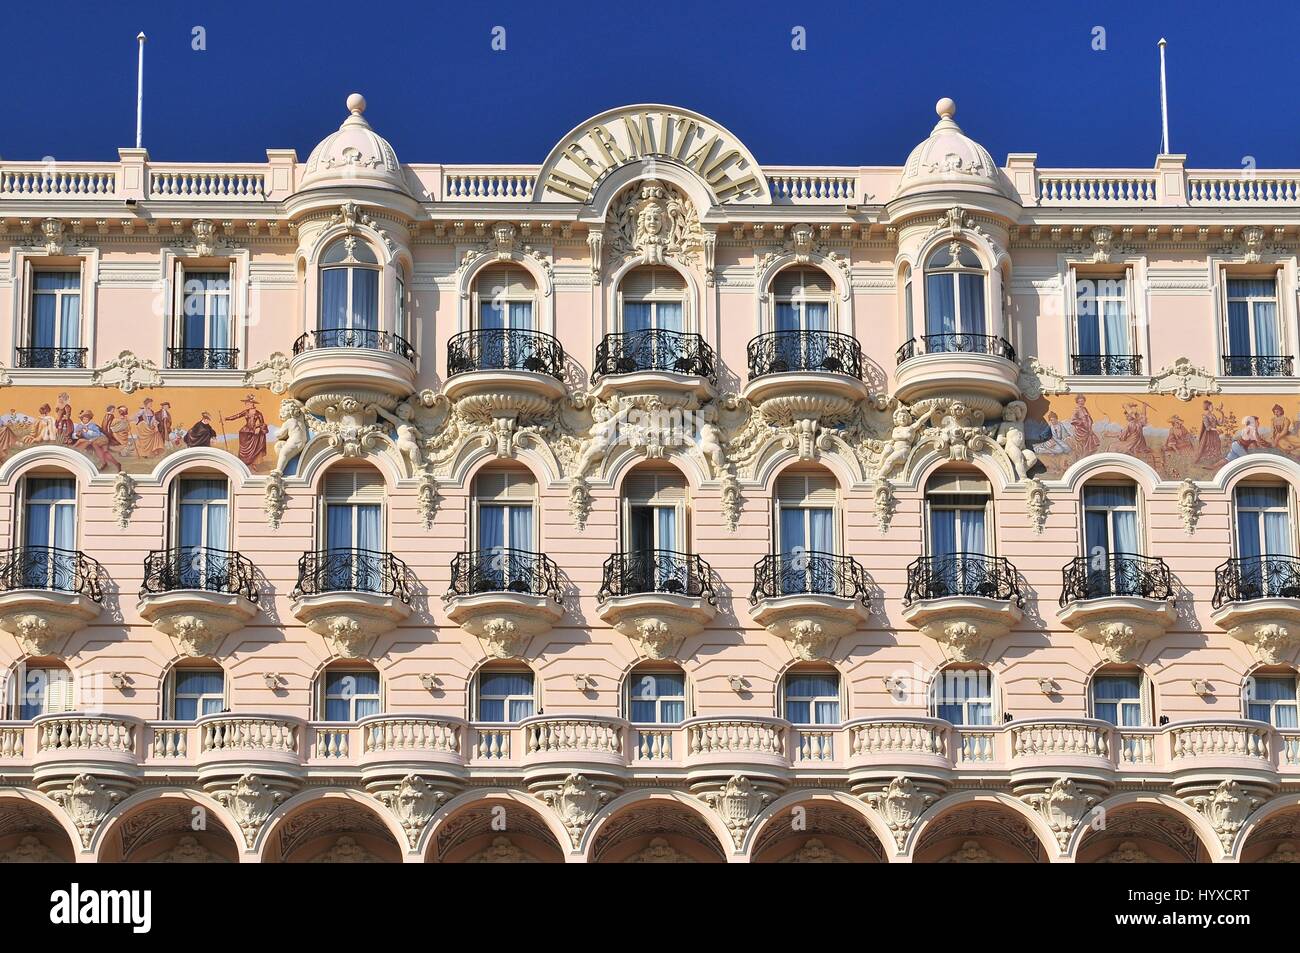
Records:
x=963, y=695
x=49, y=532
x=1265, y=541
x=1112, y=538
x=954, y=297
x=40, y=687
x=958, y=503
x=654, y=529
x=354, y=530
x=1119, y=696
x=656, y=695
x=192, y=691
x=905, y=282
x=811, y=695
x=803, y=299
x=201, y=530
x=1271, y=697
x=504, y=694
x=349, y=288
x=504, y=530
x=347, y=693
x=652, y=297
x=806, y=532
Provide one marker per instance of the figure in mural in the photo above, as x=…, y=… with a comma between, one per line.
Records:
x=1058, y=440
x=45, y=431
x=1132, y=439
x=201, y=432
x=1083, y=436
x=1209, y=442
x=164, y=422
x=88, y=436
x=252, y=435
x=149, y=440
x=1246, y=439
x=106, y=425
x=1283, y=432
x=122, y=430
x=63, y=425
x=1179, y=440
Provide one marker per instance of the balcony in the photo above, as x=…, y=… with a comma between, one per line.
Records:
x=980, y=368
x=1257, y=601
x=1106, y=365
x=370, y=362
x=1257, y=365
x=351, y=596
x=1120, y=602
x=963, y=600
x=203, y=358
x=505, y=597
x=797, y=375
x=198, y=596
x=809, y=599
x=47, y=594
x=671, y=365
x=73, y=743
x=57, y=358
x=658, y=598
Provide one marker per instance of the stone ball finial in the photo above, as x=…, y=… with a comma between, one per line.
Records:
x=946, y=108
x=356, y=104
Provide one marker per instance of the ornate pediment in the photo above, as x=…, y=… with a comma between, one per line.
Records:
x=128, y=373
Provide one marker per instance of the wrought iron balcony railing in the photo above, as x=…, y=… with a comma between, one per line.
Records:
x=825, y=352
x=654, y=349
x=1257, y=365
x=366, y=338
x=505, y=349
x=1095, y=577
x=203, y=358
x=656, y=570
x=962, y=574
x=199, y=567
x=351, y=570
x=956, y=344
x=808, y=573
x=504, y=570
x=56, y=570
x=65, y=358
x=1106, y=365
x=1256, y=577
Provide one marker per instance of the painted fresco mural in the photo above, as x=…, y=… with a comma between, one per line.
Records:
x=1177, y=438
x=132, y=433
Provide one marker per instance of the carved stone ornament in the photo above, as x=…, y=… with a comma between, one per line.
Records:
x=1271, y=640
x=659, y=851
x=1227, y=809
x=426, y=499
x=501, y=851
x=804, y=244
x=87, y=802
x=577, y=801
x=128, y=373
x=272, y=373
x=738, y=803
x=965, y=641
x=579, y=502
x=1184, y=380
x=195, y=635
x=814, y=851
x=730, y=501
x=1189, y=504
x=52, y=230
x=655, y=638
x=1036, y=504
x=205, y=238
x=1063, y=806
x=1038, y=380
x=1103, y=237
x=346, y=850
x=348, y=422
x=413, y=802
x=29, y=850
x=1285, y=853
x=654, y=221
x=188, y=850
x=1126, y=853
x=970, y=852
x=276, y=499
x=900, y=805
x=250, y=801
x=125, y=498
x=504, y=638
x=886, y=503
x=1253, y=237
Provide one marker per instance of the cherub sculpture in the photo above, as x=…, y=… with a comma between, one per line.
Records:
x=895, y=451
x=292, y=437
x=408, y=434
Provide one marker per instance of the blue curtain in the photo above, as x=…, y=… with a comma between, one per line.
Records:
x=817, y=315
x=521, y=527
x=1266, y=336
x=799, y=692
x=43, y=320
x=491, y=316
x=51, y=521
x=1274, y=700
x=365, y=299
x=219, y=323
x=669, y=315
x=197, y=683
x=1089, y=335
x=787, y=317
x=495, y=686
x=972, y=304
x=973, y=536
x=334, y=299
x=1238, y=328
x=1116, y=699
x=636, y=316
x=521, y=315
x=963, y=694
x=1115, y=315
x=491, y=527
x=940, y=304
x=657, y=698
x=370, y=530
x=943, y=532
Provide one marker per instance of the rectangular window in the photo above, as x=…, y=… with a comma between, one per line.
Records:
x=964, y=696
x=204, y=336
x=198, y=692
x=351, y=695
x=354, y=530
x=805, y=531
x=812, y=699
x=657, y=698
x=1103, y=329
x=1272, y=699
x=1255, y=346
x=505, y=696
x=45, y=691
x=54, y=335
x=1117, y=699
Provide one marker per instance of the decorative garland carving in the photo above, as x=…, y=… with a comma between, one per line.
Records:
x=125, y=498
x=1184, y=380
x=128, y=373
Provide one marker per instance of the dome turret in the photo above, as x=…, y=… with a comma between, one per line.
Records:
x=354, y=155
x=951, y=160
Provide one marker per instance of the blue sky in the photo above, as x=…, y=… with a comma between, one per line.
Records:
x=1025, y=77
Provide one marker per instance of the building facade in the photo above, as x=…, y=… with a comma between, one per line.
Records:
x=648, y=505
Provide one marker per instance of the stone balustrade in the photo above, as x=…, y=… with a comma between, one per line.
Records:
x=880, y=745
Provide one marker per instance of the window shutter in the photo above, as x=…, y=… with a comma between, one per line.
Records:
x=511, y=282
x=666, y=488
x=958, y=482
x=354, y=485
x=805, y=282
x=806, y=489
x=58, y=690
x=505, y=485
x=653, y=282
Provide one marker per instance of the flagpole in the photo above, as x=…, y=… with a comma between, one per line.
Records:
x=139, y=93
x=1164, y=104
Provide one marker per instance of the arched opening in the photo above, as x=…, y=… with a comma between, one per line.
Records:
x=655, y=534
x=656, y=693
x=40, y=686
x=349, y=294
x=1113, y=541
x=817, y=832
x=200, y=555
x=959, y=540
x=1121, y=695
x=1142, y=833
x=504, y=693
x=347, y=691
x=504, y=530
x=194, y=687
x=956, y=315
x=47, y=519
x=652, y=298
x=979, y=833
x=495, y=831
x=811, y=694
x=1264, y=565
x=656, y=831
x=169, y=830
x=332, y=831
x=1276, y=840
x=964, y=695
x=807, y=531
x=802, y=302
x=29, y=834
x=352, y=528
x=504, y=334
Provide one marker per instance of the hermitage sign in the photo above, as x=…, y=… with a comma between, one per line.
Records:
x=592, y=151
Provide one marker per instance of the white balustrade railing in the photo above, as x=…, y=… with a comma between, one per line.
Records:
x=492, y=744
x=12, y=743
x=1290, y=748
x=207, y=184
x=812, y=186
x=1243, y=187
x=85, y=732
x=899, y=737
x=331, y=743
x=735, y=736
x=169, y=742
x=1096, y=187
x=977, y=746
x=572, y=734
x=1059, y=738
x=52, y=180
x=815, y=745
x=236, y=733
x=652, y=744
x=1220, y=739
x=385, y=733
x=473, y=184
x=1136, y=747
